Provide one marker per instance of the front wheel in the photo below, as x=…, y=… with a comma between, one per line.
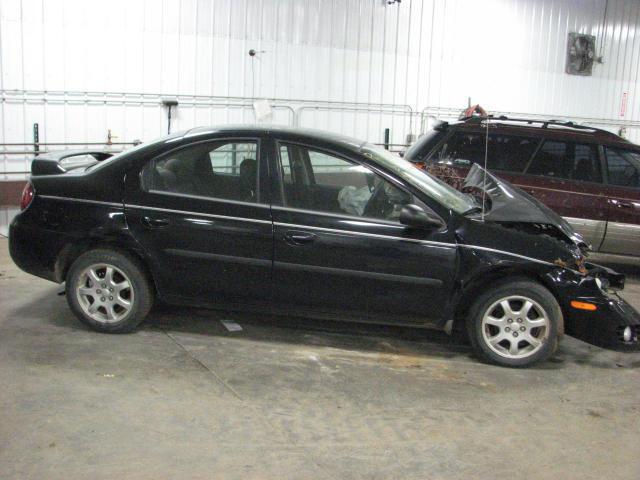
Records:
x=108, y=291
x=515, y=324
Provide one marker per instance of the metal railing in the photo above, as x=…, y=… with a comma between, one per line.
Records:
x=402, y=118
x=37, y=150
x=294, y=107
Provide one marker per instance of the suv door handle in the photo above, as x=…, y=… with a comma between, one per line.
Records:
x=620, y=204
x=298, y=238
x=151, y=222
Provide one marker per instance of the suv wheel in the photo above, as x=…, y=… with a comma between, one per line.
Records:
x=108, y=291
x=515, y=324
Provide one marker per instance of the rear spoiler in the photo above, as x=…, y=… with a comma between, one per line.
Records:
x=55, y=163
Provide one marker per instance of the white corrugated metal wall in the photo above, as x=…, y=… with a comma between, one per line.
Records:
x=79, y=67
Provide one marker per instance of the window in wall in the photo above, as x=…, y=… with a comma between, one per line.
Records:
x=623, y=167
x=327, y=183
x=226, y=170
x=567, y=160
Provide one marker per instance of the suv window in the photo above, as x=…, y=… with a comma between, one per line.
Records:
x=567, y=160
x=623, y=167
x=509, y=153
x=315, y=180
x=226, y=170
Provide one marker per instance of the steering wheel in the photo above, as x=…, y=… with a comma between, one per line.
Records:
x=380, y=204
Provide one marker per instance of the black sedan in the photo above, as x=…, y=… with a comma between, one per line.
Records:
x=305, y=222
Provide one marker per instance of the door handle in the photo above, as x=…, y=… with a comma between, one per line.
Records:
x=298, y=238
x=620, y=204
x=151, y=222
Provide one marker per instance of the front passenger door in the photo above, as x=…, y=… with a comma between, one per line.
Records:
x=339, y=249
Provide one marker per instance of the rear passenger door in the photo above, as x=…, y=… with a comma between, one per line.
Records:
x=339, y=249
x=567, y=177
x=202, y=218
x=623, y=195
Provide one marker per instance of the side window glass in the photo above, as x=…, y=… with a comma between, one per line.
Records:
x=225, y=170
x=285, y=163
x=462, y=149
x=228, y=158
x=586, y=165
x=623, y=167
x=334, y=185
x=567, y=160
x=550, y=161
x=505, y=152
x=510, y=153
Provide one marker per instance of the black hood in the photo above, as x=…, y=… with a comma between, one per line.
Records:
x=511, y=204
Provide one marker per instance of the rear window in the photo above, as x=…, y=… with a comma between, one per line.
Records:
x=623, y=167
x=567, y=160
x=508, y=153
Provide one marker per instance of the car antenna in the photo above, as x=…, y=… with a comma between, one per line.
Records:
x=484, y=175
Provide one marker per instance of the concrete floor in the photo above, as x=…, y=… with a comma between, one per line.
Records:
x=289, y=398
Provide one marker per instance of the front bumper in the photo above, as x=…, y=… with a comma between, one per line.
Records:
x=606, y=326
x=614, y=324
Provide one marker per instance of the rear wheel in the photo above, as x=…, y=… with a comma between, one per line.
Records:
x=515, y=324
x=108, y=291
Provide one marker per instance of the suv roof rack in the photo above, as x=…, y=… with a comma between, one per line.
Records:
x=542, y=123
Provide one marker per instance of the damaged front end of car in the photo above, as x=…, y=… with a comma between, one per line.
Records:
x=596, y=312
x=587, y=293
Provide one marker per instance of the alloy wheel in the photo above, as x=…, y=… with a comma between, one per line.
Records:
x=515, y=326
x=104, y=293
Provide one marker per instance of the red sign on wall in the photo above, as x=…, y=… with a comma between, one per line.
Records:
x=623, y=104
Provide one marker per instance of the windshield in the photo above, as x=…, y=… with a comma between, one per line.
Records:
x=431, y=186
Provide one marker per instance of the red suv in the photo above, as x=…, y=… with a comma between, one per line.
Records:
x=587, y=175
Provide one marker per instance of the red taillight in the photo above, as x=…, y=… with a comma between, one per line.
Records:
x=27, y=196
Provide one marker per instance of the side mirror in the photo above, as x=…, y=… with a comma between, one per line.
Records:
x=415, y=217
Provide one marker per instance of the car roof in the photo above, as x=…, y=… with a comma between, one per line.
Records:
x=544, y=129
x=289, y=133
x=328, y=140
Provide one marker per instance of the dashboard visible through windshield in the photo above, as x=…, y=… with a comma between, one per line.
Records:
x=436, y=189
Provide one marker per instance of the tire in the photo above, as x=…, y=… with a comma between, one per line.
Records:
x=109, y=291
x=531, y=322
